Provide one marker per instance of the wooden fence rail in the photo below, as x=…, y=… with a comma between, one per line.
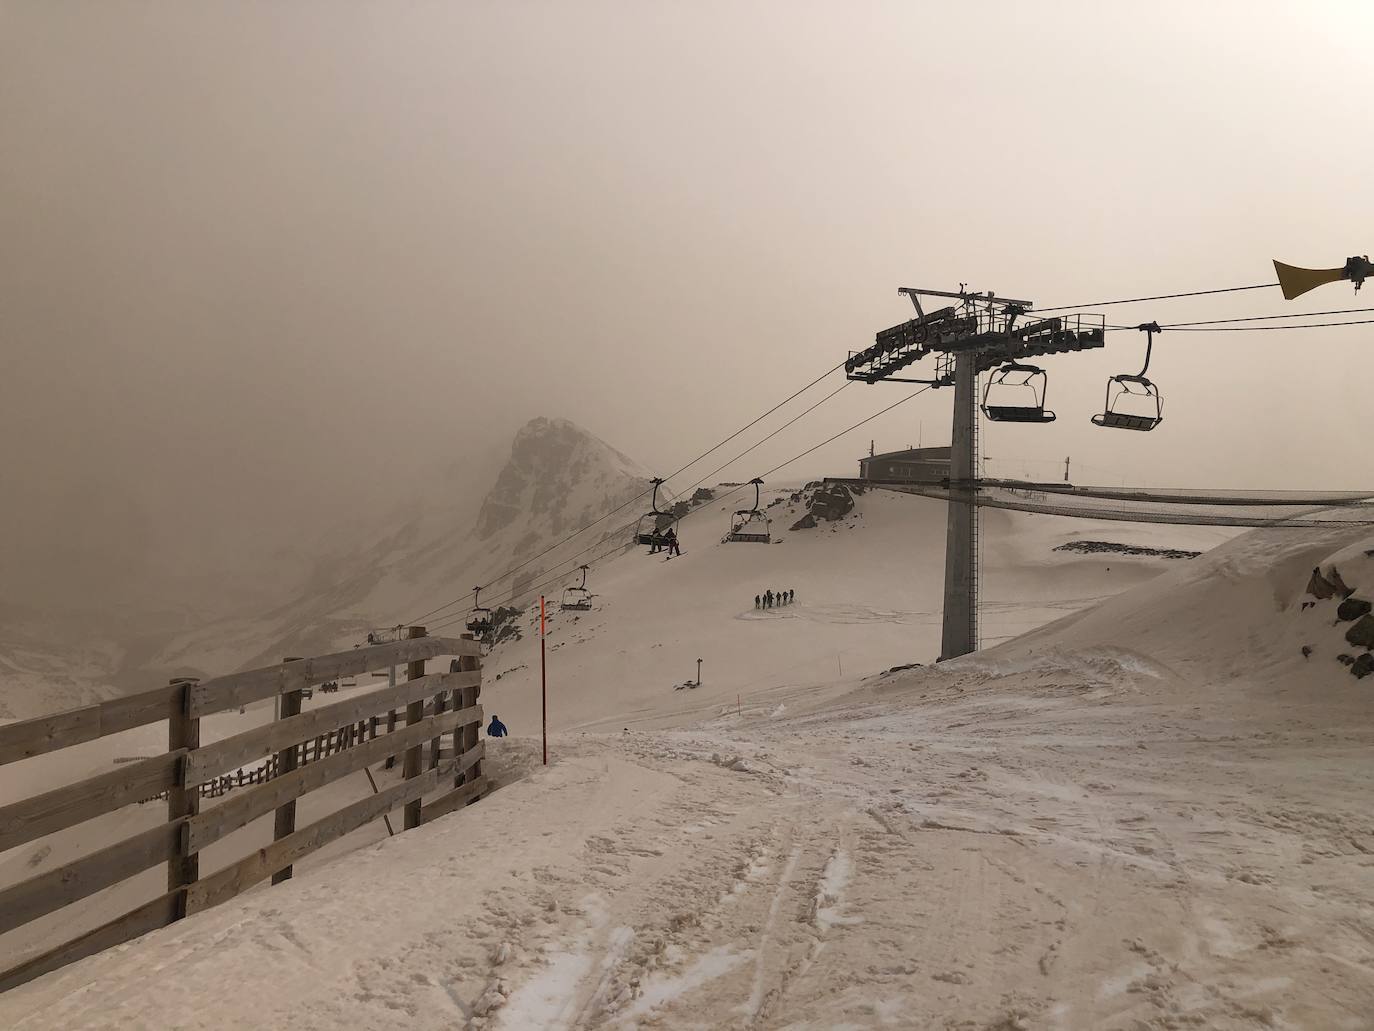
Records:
x=296, y=754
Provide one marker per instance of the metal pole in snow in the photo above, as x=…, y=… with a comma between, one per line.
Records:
x=543, y=684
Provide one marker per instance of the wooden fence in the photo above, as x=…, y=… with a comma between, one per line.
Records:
x=297, y=753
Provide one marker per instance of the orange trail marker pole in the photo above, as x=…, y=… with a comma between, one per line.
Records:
x=543, y=683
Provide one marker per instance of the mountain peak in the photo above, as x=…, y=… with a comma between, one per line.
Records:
x=556, y=474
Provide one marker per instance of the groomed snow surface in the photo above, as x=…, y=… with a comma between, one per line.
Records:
x=1153, y=813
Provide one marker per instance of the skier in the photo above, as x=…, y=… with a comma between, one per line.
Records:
x=655, y=543
x=496, y=728
x=768, y=599
x=758, y=602
x=790, y=595
x=670, y=539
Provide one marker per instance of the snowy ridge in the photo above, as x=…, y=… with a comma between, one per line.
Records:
x=557, y=477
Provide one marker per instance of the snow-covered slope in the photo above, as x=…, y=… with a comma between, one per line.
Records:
x=868, y=597
x=1152, y=813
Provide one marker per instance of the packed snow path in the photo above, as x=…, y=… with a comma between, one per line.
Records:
x=943, y=854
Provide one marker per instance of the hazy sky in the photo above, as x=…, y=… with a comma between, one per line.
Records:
x=263, y=262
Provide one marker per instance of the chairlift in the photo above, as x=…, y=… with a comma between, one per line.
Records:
x=479, y=623
x=1133, y=402
x=1016, y=393
x=750, y=525
x=654, y=523
x=577, y=599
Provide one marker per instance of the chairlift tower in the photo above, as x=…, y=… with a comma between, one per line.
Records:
x=978, y=333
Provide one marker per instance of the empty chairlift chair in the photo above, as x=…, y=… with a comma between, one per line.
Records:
x=654, y=523
x=750, y=525
x=577, y=599
x=1133, y=402
x=1016, y=393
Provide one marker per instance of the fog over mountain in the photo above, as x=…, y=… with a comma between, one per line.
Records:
x=271, y=269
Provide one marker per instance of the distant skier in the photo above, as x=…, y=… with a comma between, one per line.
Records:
x=758, y=602
x=655, y=543
x=790, y=595
x=496, y=728
x=670, y=540
x=768, y=599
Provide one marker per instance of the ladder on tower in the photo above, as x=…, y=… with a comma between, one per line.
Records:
x=976, y=517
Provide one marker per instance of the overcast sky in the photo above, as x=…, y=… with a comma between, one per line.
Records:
x=260, y=262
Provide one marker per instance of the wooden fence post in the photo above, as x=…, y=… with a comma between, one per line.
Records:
x=390, y=729
x=183, y=731
x=465, y=738
x=285, y=762
x=415, y=712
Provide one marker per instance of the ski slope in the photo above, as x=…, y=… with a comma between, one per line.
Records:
x=868, y=597
x=1150, y=812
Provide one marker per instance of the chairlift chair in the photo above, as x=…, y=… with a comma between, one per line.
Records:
x=479, y=622
x=577, y=599
x=1016, y=393
x=750, y=525
x=654, y=523
x=1133, y=402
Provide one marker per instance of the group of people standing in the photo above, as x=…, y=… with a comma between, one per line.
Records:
x=665, y=542
x=771, y=599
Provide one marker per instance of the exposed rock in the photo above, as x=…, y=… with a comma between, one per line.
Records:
x=1307, y=651
x=806, y=522
x=1362, y=633
x=1319, y=586
x=505, y=624
x=556, y=475
x=1109, y=547
x=1363, y=666
x=703, y=495
x=1339, y=584
x=1352, y=609
x=832, y=502
x=1345, y=660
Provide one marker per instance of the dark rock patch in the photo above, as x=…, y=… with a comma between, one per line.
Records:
x=1362, y=633
x=1111, y=548
x=1319, y=586
x=1352, y=609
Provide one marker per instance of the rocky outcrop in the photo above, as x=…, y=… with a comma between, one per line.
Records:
x=1362, y=633
x=1363, y=666
x=827, y=501
x=1112, y=548
x=1339, y=584
x=1353, y=608
x=1319, y=587
x=558, y=477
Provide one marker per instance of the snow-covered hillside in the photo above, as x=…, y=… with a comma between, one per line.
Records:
x=455, y=534
x=1150, y=814
x=868, y=597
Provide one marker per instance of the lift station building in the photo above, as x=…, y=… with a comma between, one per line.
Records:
x=924, y=464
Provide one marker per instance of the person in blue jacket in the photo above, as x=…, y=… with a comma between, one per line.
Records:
x=496, y=728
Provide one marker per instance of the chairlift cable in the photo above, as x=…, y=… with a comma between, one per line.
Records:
x=1268, y=318
x=1258, y=329
x=615, y=545
x=1158, y=297
x=627, y=504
